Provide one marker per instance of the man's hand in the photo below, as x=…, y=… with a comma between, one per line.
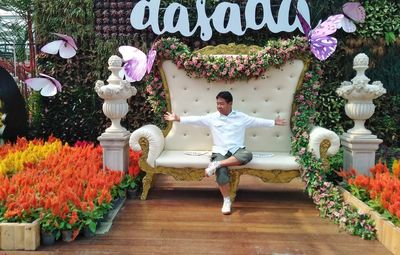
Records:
x=279, y=121
x=171, y=117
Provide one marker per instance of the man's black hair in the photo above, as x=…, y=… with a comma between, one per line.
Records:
x=226, y=95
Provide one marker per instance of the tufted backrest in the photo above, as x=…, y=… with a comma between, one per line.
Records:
x=264, y=98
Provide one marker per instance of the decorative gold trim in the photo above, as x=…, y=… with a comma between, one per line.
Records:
x=167, y=98
x=197, y=174
x=228, y=49
x=306, y=62
x=323, y=152
x=268, y=176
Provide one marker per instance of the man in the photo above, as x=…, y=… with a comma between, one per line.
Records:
x=228, y=131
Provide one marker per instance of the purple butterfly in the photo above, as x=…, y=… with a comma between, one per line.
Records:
x=47, y=85
x=136, y=62
x=353, y=12
x=66, y=46
x=322, y=45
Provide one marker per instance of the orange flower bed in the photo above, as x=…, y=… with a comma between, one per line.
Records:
x=66, y=190
x=381, y=190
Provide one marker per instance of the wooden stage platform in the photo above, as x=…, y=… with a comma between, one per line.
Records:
x=185, y=218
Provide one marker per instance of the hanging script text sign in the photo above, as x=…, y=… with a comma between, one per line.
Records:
x=224, y=10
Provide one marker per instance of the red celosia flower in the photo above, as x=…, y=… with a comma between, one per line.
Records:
x=74, y=218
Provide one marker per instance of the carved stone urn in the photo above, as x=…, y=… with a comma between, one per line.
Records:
x=359, y=145
x=115, y=94
x=360, y=95
x=115, y=138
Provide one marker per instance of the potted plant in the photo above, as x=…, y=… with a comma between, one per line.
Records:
x=49, y=229
x=90, y=220
x=134, y=186
x=70, y=226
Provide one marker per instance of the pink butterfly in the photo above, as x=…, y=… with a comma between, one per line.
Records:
x=47, y=85
x=136, y=62
x=66, y=46
x=353, y=12
x=322, y=45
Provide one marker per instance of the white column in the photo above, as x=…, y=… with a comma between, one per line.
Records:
x=359, y=143
x=115, y=138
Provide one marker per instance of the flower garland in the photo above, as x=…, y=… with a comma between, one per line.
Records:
x=324, y=193
x=212, y=68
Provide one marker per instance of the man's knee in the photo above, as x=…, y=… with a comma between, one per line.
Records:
x=243, y=156
x=222, y=175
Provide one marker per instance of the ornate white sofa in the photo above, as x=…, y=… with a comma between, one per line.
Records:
x=183, y=151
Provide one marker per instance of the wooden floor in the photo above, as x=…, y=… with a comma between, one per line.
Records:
x=185, y=218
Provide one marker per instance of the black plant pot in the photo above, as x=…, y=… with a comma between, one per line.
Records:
x=48, y=238
x=134, y=193
x=67, y=235
x=116, y=202
x=87, y=232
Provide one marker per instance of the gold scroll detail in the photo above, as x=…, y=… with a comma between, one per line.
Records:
x=323, y=152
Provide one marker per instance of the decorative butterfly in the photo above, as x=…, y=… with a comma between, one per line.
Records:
x=136, y=62
x=353, y=12
x=66, y=46
x=322, y=45
x=47, y=85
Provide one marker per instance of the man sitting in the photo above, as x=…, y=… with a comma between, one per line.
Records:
x=228, y=131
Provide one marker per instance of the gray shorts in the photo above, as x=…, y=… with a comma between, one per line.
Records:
x=222, y=173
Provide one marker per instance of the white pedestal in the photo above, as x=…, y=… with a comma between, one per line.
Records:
x=359, y=152
x=115, y=150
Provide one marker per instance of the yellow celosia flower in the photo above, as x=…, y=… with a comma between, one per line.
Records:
x=15, y=161
x=396, y=168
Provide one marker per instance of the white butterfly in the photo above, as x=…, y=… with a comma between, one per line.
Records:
x=136, y=62
x=47, y=85
x=354, y=13
x=66, y=46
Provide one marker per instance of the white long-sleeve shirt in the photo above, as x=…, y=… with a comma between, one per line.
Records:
x=228, y=131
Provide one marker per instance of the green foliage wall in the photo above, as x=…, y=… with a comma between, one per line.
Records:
x=75, y=114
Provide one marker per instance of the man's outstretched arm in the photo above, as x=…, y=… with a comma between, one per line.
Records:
x=279, y=121
x=171, y=117
x=261, y=122
x=194, y=120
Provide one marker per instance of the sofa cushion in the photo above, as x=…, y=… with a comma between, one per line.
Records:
x=200, y=159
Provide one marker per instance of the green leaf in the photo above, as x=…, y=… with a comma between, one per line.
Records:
x=92, y=227
x=390, y=38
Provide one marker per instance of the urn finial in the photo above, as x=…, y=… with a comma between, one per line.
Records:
x=114, y=61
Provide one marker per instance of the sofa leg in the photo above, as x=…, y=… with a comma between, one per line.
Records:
x=235, y=178
x=147, y=181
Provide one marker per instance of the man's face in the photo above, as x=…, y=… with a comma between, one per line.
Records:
x=223, y=107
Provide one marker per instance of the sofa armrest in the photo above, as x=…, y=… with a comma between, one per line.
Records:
x=155, y=140
x=323, y=142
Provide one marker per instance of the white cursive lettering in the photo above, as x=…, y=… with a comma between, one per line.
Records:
x=223, y=11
